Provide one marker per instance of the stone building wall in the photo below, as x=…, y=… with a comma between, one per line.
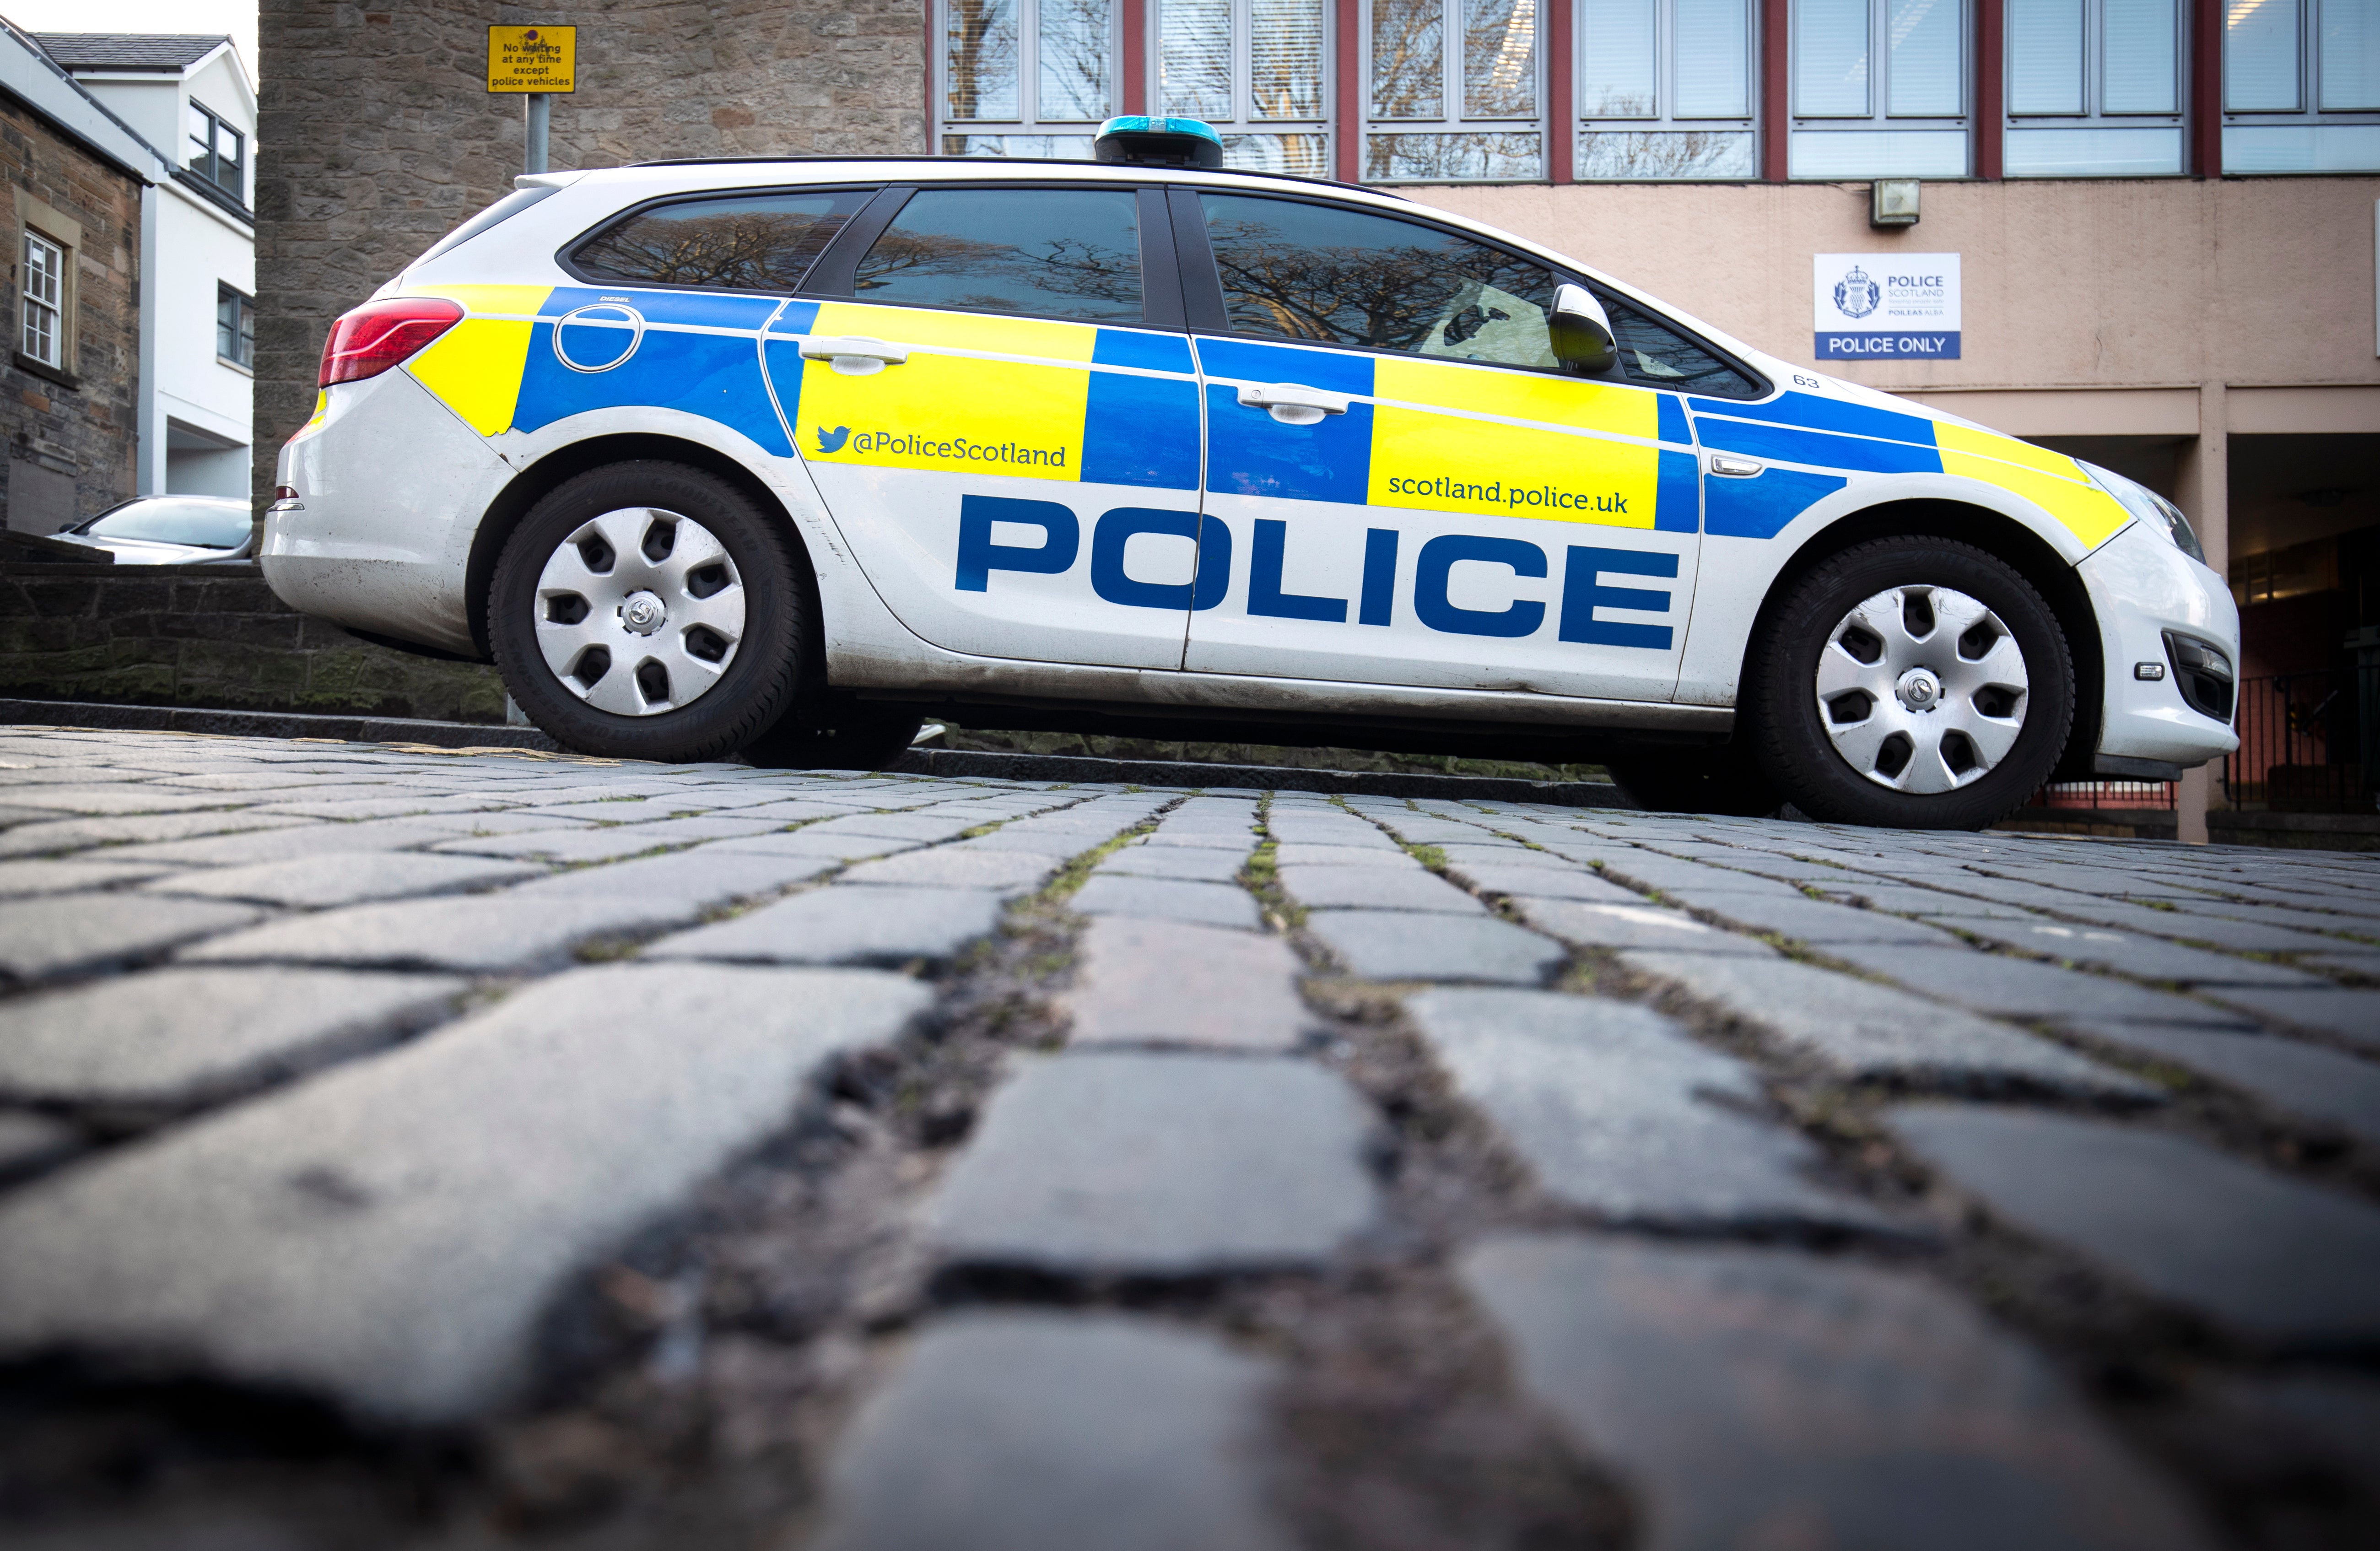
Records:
x=69, y=434
x=213, y=637
x=377, y=135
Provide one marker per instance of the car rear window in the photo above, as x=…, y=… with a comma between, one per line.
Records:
x=212, y=524
x=1050, y=252
x=749, y=242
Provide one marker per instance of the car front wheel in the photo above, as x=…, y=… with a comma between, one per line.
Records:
x=1913, y=682
x=648, y=611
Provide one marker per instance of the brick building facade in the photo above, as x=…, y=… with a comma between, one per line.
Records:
x=70, y=423
x=377, y=136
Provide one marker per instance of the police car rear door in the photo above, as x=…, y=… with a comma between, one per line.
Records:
x=998, y=403
x=1408, y=487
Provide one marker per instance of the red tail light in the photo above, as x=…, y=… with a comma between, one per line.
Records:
x=378, y=334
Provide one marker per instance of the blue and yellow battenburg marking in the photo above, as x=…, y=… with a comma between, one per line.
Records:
x=1824, y=433
x=1442, y=436
x=1034, y=398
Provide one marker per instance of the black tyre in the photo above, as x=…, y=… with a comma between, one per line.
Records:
x=856, y=736
x=649, y=611
x=1917, y=684
x=1680, y=779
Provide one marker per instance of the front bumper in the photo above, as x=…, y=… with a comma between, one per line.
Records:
x=391, y=488
x=2141, y=588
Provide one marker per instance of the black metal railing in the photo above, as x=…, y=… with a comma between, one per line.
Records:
x=2307, y=741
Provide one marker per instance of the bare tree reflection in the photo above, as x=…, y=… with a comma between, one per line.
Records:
x=1389, y=295
x=942, y=269
x=747, y=249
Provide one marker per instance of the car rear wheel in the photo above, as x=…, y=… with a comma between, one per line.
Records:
x=648, y=611
x=1913, y=683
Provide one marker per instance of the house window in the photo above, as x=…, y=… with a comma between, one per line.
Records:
x=2301, y=85
x=1665, y=89
x=218, y=152
x=1027, y=77
x=1455, y=90
x=2094, y=89
x=234, y=327
x=1255, y=69
x=44, y=337
x=1879, y=89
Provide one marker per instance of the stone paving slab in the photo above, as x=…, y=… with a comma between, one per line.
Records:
x=1609, y=1105
x=959, y=867
x=2288, y=1075
x=387, y=1233
x=29, y=1141
x=1150, y=1164
x=1406, y=888
x=1194, y=865
x=1763, y=1397
x=700, y=877
x=1865, y=1030
x=1639, y=924
x=2016, y=987
x=1165, y=899
x=1030, y=1431
x=1808, y=920
x=2145, y=958
x=2351, y=1014
x=176, y=1037
x=125, y=836
x=1410, y=945
x=483, y=934
x=1563, y=880
x=810, y=843
x=611, y=843
x=1170, y=983
x=18, y=880
x=880, y=925
x=345, y=877
x=68, y=934
x=2267, y=1255
x=294, y=838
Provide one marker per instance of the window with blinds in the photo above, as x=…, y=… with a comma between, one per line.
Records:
x=2300, y=86
x=1879, y=89
x=1665, y=89
x=1025, y=78
x=1255, y=69
x=2095, y=89
x=1455, y=90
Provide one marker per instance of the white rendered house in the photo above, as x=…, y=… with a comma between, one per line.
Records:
x=190, y=97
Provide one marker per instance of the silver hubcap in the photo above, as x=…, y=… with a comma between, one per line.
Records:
x=639, y=611
x=1921, y=689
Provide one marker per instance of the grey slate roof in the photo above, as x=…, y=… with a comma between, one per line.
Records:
x=128, y=51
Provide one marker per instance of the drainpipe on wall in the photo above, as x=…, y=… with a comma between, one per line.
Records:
x=148, y=427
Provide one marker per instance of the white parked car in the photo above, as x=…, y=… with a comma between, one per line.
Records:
x=169, y=530
x=783, y=456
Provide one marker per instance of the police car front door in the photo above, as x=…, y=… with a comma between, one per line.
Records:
x=1408, y=487
x=1003, y=421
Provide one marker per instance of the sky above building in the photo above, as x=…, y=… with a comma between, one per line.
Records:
x=236, y=18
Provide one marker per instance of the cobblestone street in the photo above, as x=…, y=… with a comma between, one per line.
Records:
x=412, y=1147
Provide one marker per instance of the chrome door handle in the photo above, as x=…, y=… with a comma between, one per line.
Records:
x=854, y=355
x=1734, y=467
x=1294, y=404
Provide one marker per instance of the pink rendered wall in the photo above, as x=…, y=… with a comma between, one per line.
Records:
x=2121, y=284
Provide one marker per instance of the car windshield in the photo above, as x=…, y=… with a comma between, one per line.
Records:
x=209, y=525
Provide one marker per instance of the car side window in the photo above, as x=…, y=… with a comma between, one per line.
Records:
x=749, y=242
x=1046, y=252
x=1659, y=354
x=1337, y=276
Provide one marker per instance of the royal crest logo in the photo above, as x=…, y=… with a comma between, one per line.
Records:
x=1856, y=295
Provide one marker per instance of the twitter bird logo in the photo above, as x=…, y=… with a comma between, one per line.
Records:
x=833, y=440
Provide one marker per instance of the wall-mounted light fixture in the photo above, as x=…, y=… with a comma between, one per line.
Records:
x=1894, y=203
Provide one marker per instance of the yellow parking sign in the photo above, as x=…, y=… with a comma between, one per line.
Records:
x=532, y=59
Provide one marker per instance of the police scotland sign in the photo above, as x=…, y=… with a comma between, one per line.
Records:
x=1888, y=306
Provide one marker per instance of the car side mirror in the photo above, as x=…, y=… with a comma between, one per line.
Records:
x=1581, y=331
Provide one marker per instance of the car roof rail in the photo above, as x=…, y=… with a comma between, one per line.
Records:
x=1002, y=162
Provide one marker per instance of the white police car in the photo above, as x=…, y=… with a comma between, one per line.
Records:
x=782, y=455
